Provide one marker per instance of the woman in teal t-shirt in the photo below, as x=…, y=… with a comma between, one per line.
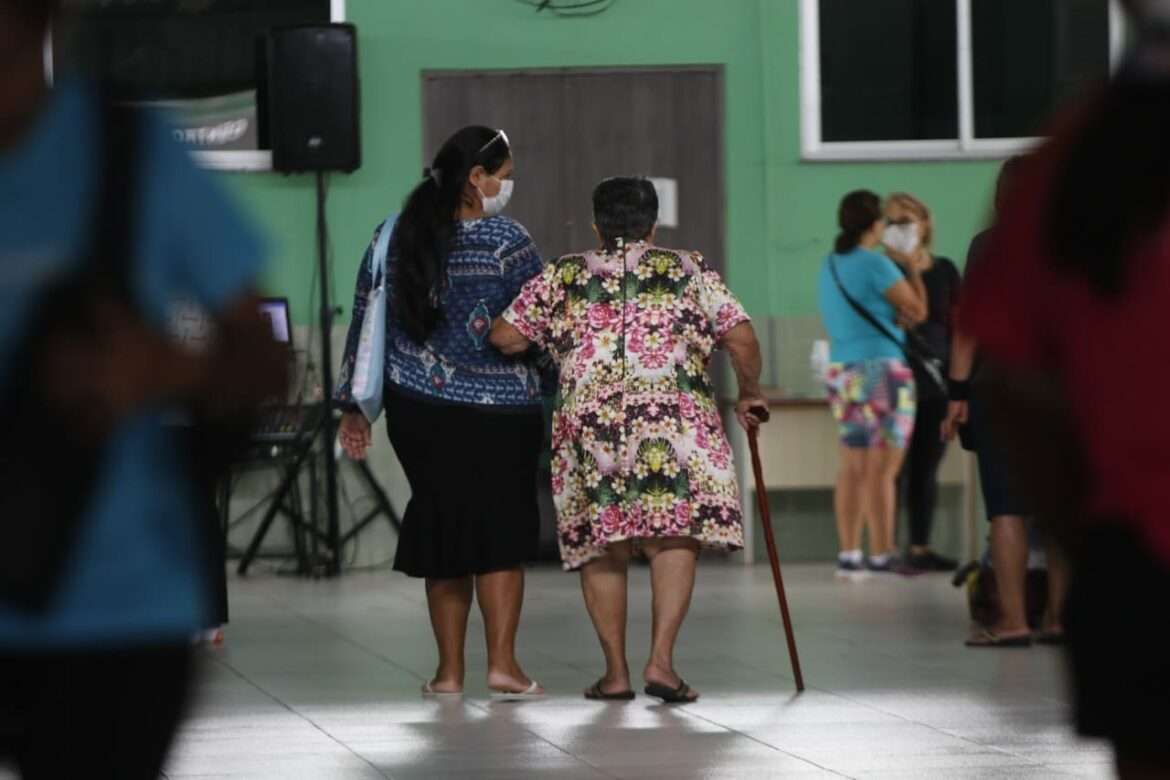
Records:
x=871, y=388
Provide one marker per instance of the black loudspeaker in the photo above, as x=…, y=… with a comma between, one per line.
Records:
x=309, y=106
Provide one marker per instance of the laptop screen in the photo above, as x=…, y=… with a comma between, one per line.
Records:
x=275, y=310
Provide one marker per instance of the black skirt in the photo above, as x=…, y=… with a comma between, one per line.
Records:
x=472, y=474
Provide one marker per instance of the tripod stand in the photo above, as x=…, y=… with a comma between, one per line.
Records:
x=382, y=508
x=287, y=501
x=324, y=432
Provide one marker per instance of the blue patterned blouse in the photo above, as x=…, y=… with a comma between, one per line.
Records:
x=489, y=262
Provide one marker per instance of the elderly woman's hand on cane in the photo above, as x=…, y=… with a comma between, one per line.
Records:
x=751, y=411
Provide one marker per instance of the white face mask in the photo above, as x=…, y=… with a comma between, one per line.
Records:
x=902, y=238
x=497, y=203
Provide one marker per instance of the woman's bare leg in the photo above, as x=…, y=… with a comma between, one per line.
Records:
x=881, y=504
x=847, y=498
x=672, y=580
x=449, y=604
x=604, y=584
x=501, y=595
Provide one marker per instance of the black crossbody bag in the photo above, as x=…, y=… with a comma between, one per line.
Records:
x=927, y=366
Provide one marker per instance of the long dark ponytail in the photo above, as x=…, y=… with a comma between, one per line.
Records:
x=1113, y=190
x=428, y=222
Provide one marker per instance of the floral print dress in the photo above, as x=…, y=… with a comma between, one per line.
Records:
x=639, y=450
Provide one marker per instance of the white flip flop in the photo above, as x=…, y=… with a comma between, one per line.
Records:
x=430, y=693
x=527, y=694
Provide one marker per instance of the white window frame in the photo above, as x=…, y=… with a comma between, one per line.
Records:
x=253, y=160
x=965, y=147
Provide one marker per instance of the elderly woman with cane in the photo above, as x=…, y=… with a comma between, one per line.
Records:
x=640, y=458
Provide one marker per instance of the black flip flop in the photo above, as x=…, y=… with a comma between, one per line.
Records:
x=596, y=694
x=671, y=695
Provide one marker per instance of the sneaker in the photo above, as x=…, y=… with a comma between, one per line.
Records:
x=893, y=564
x=849, y=570
x=932, y=561
x=212, y=637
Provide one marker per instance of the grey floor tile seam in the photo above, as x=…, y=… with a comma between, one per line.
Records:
x=816, y=688
x=864, y=705
x=357, y=644
x=226, y=665
x=953, y=735
x=734, y=661
x=893, y=659
x=488, y=710
x=836, y=637
x=732, y=730
x=390, y=662
x=1023, y=757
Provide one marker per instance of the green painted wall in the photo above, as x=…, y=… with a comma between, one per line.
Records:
x=780, y=211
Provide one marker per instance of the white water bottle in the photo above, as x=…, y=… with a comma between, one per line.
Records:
x=819, y=361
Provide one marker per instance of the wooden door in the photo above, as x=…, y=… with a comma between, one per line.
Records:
x=572, y=128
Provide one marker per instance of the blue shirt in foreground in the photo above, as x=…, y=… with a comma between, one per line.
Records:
x=136, y=574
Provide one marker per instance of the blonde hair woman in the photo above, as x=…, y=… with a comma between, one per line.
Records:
x=909, y=240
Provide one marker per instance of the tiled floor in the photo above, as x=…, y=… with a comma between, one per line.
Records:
x=320, y=680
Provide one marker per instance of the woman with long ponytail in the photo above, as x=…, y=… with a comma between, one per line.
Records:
x=871, y=387
x=464, y=420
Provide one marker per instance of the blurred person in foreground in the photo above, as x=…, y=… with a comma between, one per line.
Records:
x=640, y=458
x=1008, y=510
x=1071, y=308
x=95, y=673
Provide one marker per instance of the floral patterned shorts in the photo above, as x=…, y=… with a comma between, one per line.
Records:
x=874, y=402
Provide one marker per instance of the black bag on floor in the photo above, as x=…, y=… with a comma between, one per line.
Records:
x=979, y=582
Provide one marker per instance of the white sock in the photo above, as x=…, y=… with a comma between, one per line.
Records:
x=849, y=556
x=880, y=560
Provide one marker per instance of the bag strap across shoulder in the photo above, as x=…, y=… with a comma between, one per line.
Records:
x=861, y=310
x=916, y=351
x=381, y=250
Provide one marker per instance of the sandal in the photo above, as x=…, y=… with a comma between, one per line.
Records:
x=986, y=638
x=596, y=694
x=533, y=691
x=430, y=693
x=679, y=695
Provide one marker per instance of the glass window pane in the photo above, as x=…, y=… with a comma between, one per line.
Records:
x=1029, y=57
x=888, y=70
x=176, y=49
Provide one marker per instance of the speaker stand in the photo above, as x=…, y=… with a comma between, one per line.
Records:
x=383, y=508
x=328, y=426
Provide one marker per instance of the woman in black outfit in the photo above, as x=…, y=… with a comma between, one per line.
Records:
x=910, y=232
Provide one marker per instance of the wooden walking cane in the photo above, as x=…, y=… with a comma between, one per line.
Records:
x=762, y=414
